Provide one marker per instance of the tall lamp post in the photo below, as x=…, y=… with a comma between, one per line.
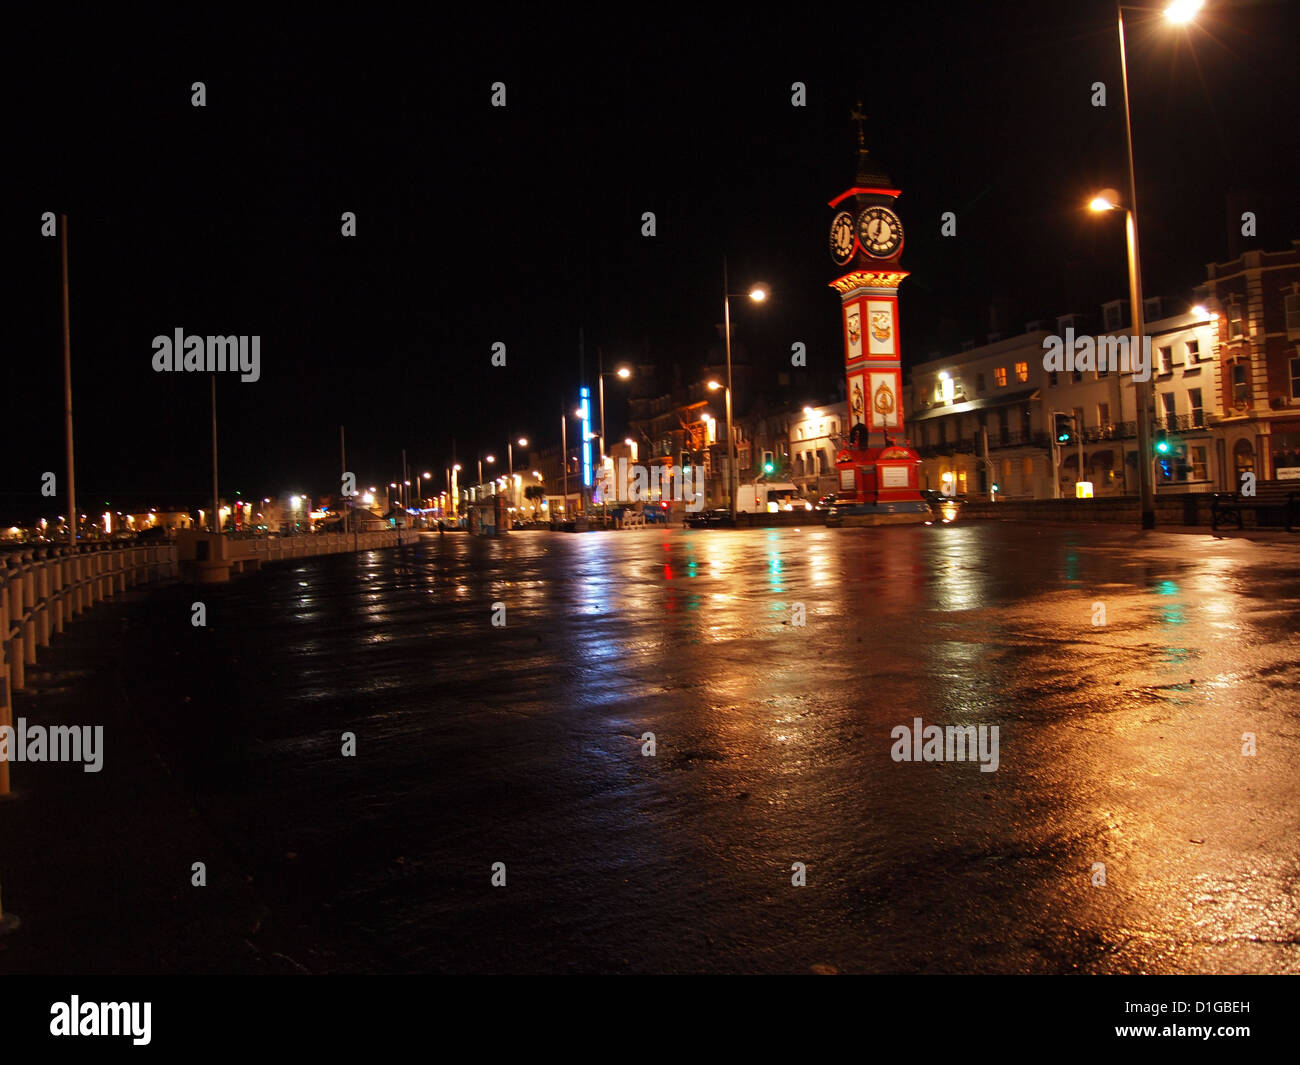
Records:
x=624, y=372
x=731, y=491
x=510, y=473
x=1180, y=11
x=564, y=457
x=758, y=294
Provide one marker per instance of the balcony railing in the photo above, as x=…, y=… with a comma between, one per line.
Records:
x=1099, y=434
x=1180, y=423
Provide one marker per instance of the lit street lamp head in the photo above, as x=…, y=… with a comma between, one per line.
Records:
x=758, y=293
x=624, y=372
x=1183, y=11
x=1105, y=200
x=714, y=386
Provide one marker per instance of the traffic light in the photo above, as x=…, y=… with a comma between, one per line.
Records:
x=686, y=460
x=1064, y=428
x=768, y=465
x=1162, y=442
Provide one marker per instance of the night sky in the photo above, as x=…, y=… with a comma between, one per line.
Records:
x=478, y=224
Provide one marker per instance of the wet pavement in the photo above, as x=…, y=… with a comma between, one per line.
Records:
x=1120, y=743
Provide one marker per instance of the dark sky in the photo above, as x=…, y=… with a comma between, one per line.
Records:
x=477, y=224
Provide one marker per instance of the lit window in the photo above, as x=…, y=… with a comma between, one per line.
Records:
x=1193, y=351
x=1198, y=414
x=1022, y=371
x=1000, y=376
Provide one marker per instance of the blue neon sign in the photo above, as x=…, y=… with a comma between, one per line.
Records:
x=586, y=437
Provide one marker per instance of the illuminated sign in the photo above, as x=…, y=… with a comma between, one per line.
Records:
x=585, y=408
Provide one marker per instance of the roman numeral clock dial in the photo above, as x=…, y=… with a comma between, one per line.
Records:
x=880, y=232
x=842, y=238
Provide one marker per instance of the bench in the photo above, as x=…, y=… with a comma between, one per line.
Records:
x=1274, y=503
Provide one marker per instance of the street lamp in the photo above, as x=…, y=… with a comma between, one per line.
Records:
x=510, y=455
x=490, y=459
x=624, y=372
x=1109, y=200
x=1180, y=11
x=758, y=294
x=731, y=491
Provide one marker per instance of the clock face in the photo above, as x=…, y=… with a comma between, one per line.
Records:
x=842, y=238
x=880, y=232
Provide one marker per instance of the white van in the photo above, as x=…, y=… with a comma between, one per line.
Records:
x=769, y=498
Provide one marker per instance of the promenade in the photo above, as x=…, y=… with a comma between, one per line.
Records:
x=1120, y=744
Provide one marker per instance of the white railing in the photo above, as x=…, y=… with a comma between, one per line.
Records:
x=43, y=588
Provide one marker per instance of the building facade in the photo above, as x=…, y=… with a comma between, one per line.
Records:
x=995, y=416
x=1257, y=299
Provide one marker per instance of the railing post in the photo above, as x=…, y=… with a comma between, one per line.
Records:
x=43, y=599
x=6, y=716
x=58, y=591
x=29, y=608
x=12, y=635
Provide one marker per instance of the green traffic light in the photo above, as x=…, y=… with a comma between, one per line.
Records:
x=1163, y=447
x=767, y=468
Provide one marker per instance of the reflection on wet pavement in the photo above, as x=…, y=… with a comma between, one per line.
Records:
x=1121, y=671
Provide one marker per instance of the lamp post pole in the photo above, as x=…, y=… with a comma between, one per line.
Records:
x=600, y=378
x=731, y=451
x=67, y=388
x=564, y=457
x=1146, y=480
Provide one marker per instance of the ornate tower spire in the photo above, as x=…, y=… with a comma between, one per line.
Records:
x=869, y=173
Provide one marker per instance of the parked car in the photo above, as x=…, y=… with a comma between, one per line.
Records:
x=709, y=519
x=827, y=501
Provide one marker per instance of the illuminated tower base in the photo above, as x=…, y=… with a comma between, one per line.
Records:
x=878, y=473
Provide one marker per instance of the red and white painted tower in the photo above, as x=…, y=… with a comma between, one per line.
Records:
x=866, y=240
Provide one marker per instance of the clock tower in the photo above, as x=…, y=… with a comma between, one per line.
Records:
x=876, y=484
